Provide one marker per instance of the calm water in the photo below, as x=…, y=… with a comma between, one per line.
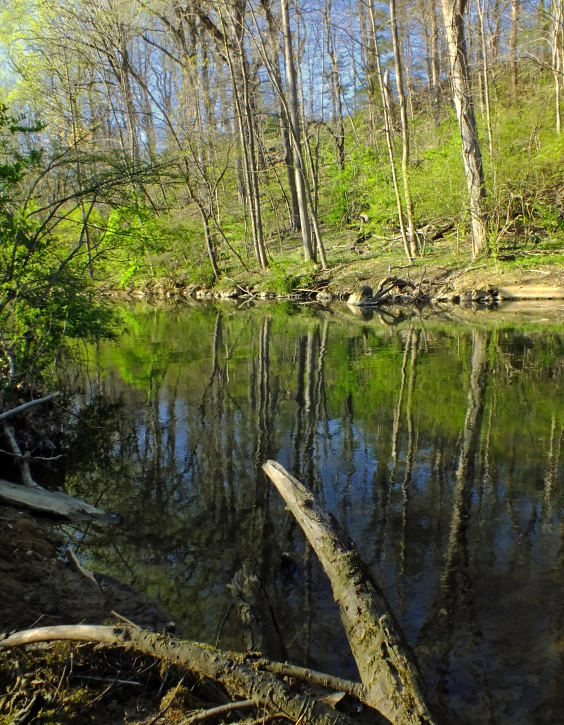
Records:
x=436, y=444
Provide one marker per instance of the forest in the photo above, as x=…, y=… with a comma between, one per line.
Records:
x=151, y=148
x=149, y=143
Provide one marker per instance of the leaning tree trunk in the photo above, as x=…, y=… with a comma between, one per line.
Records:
x=453, y=13
x=386, y=664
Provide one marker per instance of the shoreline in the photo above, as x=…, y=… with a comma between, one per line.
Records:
x=485, y=281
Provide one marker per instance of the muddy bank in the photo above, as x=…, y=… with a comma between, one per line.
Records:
x=42, y=585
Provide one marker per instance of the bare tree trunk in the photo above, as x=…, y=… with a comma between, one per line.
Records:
x=435, y=60
x=413, y=246
x=453, y=13
x=388, y=126
x=244, y=111
x=515, y=11
x=557, y=47
x=335, y=91
x=386, y=664
x=485, y=72
x=301, y=180
x=284, y=131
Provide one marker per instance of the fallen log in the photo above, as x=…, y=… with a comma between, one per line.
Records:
x=387, y=665
x=238, y=674
x=54, y=503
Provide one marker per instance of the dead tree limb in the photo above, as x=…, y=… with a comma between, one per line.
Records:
x=386, y=663
x=23, y=460
x=238, y=674
x=219, y=711
x=25, y=406
x=53, y=502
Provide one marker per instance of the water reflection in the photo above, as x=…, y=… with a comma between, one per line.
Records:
x=437, y=446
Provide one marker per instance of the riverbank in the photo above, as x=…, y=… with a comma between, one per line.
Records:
x=441, y=274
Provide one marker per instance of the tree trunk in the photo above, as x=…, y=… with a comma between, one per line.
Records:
x=385, y=661
x=293, y=102
x=283, y=122
x=515, y=11
x=453, y=13
x=413, y=246
x=556, y=42
x=388, y=123
x=335, y=91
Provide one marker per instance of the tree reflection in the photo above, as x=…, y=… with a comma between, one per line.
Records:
x=439, y=449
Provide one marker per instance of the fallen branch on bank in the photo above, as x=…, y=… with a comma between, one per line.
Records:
x=31, y=495
x=54, y=503
x=387, y=665
x=391, y=289
x=240, y=675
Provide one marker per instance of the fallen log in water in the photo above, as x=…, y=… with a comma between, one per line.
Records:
x=54, y=503
x=387, y=665
x=240, y=675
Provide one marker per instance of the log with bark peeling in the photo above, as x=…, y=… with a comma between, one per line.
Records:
x=387, y=665
x=240, y=675
x=54, y=503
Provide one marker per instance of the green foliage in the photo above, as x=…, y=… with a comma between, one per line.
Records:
x=286, y=275
x=45, y=294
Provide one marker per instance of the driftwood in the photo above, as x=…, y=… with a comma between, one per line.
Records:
x=389, y=289
x=386, y=663
x=54, y=503
x=238, y=674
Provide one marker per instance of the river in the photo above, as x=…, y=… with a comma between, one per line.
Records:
x=436, y=443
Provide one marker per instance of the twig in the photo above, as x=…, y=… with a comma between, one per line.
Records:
x=25, y=406
x=79, y=417
x=218, y=711
x=28, y=713
x=222, y=625
x=124, y=619
x=317, y=678
x=109, y=679
x=23, y=460
x=401, y=266
x=162, y=712
x=85, y=572
x=30, y=458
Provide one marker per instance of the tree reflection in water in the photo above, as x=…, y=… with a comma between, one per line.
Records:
x=436, y=445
